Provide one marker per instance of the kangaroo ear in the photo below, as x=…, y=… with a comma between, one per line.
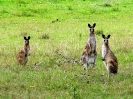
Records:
x=108, y=36
x=89, y=25
x=28, y=37
x=94, y=24
x=24, y=38
x=103, y=36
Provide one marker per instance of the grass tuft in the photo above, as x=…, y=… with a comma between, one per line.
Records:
x=23, y=34
x=99, y=32
x=22, y=2
x=4, y=11
x=116, y=9
x=45, y=36
x=107, y=5
x=92, y=10
x=70, y=8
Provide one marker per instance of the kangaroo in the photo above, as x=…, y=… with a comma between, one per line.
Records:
x=24, y=53
x=89, y=55
x=92, y=39
x=108, y=57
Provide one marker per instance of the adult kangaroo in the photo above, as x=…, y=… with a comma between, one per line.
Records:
x=108, y=57
x=89, y=55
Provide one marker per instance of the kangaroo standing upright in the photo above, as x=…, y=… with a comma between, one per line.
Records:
x=108, y=57
x=24, y=53
x=89, y=55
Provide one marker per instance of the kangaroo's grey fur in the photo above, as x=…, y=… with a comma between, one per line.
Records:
x=108, y=57
x=89, y=55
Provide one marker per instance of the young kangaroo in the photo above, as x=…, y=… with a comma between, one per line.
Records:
x=24, y=53
x=108, y=57
x=89, y=55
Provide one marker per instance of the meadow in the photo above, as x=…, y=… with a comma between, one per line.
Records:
x=59, y=31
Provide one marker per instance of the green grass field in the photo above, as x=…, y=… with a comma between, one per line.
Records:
x=55, y=44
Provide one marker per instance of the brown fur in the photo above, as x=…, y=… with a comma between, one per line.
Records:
x=112, y=62
x=87, y=49
x=22, y=60
x=24, y=53
x=108, y=56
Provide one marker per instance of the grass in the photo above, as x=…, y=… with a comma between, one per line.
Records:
x=51, y=71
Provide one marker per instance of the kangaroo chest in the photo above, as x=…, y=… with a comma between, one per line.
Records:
x=27, y=50
x=104, y=51
x=92, y=42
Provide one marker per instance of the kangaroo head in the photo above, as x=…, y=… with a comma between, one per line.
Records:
x=27, y=40
x=92, y=27
x=105, y=39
